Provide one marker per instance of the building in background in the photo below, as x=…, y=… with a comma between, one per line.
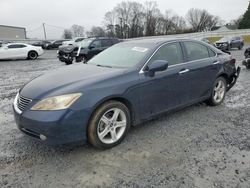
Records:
x=12, y=32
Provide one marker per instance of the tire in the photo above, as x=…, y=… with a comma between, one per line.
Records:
x=32, y=55
x=108, y=125
x=240, y=47
x=68, y=62
x=218, y=92
x=79, y=59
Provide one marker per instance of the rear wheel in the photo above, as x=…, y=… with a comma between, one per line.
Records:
x=240, y=47
x=109, y=125
x=218, y=93
x=32, y=55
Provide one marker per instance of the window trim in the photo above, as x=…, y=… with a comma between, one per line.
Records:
x=142, y=70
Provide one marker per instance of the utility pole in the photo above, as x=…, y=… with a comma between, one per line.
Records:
x=44, y=31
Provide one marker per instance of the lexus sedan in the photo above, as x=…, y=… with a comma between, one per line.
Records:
x=20, y=51
x=124, y=85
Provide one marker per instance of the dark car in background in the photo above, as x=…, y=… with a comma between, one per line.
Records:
x=246, y=61
x=55, y=44
x=124, y=85
x=42, y=43
x=85, y=50
x=3, y=43
x=227, y=43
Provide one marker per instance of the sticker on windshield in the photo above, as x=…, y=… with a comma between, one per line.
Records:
x=140, y=49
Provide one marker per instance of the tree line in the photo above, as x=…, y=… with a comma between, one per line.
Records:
x=130, y=19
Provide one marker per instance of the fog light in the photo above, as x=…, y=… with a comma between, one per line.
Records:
x=42, y=137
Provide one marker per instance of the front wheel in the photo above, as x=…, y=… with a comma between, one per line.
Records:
x=109, y=125
x=32, y=55
x=218, y=92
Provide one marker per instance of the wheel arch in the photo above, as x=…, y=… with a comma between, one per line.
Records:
x=123, y=100
x=226, y=77
x=32, y=51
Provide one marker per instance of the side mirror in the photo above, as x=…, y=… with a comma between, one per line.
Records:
x=91, y=47
x=157, y=66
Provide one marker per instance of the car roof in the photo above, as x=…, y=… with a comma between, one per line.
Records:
x=17, y=44
x=101, y=38
x=156, y=40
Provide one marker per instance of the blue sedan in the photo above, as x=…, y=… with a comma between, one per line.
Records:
x=127, y=84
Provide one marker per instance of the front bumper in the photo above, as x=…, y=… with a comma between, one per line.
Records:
x=221, y=46
x=53, y=127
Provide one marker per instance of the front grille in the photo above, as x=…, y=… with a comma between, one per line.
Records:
x=23, y=102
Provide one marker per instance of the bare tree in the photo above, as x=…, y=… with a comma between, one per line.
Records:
x=77, y=30
x=67, y=34
x=109, y=22
x=201, y=20
x=96, y=32
x=152, y=15
x=236, y=22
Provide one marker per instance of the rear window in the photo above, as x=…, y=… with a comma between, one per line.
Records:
x=196, y=51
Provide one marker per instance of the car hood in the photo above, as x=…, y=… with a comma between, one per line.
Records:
x=69, y=79
x=222, y=41
x=67, y=48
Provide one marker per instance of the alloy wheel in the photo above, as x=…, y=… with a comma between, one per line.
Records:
x=111, y=126
x=219, y=91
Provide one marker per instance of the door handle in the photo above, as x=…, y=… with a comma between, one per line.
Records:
x=184, y=71
x=216, y=62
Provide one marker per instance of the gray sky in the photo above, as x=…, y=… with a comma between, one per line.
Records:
x=64, y=13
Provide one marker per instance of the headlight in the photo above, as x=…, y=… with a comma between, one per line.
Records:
x=225, y=44
x=57, y=103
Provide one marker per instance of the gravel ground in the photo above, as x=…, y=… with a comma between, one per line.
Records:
x=199, y=146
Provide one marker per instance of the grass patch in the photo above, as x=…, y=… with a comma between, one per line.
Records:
x=213, y=39
x=246, y=38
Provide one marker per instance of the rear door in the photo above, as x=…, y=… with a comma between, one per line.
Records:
x=203, y=66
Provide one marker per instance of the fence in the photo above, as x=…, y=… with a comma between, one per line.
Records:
x=239, y=32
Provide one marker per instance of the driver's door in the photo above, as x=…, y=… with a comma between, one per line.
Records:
x=95, y=48
x=167, y=89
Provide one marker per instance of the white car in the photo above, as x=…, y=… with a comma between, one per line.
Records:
x=74, y=41
x=20, y=51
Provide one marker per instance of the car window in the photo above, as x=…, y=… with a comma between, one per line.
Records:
x=196, y=51
x=106, y=42
x=114, y=41
x=169, y=52
x=96, y=44
x=79, y=39
x=211, y=53
x=16, y=46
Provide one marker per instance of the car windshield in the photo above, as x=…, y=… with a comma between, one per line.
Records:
x=85, y=43
x=122, y=55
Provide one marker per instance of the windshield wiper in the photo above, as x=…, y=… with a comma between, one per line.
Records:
x=104, y=66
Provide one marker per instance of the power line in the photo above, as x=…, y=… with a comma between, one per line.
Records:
x=59, y=27
x=28, y=31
